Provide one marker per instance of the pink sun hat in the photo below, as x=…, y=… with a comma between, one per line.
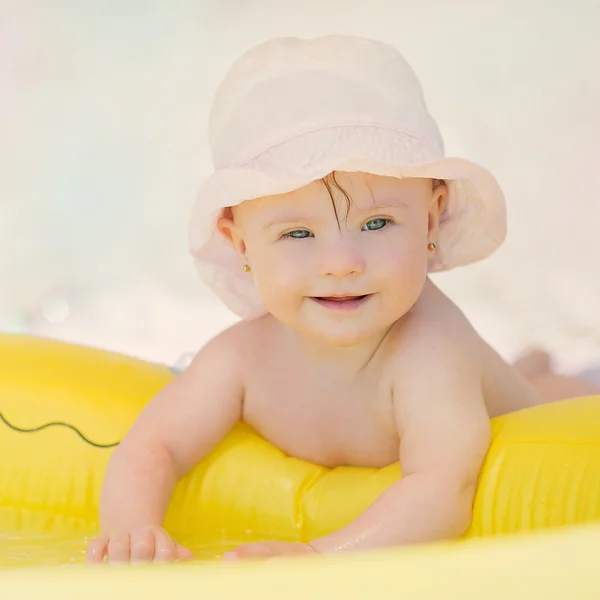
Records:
x=290, y=111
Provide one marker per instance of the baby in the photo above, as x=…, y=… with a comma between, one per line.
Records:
x=331, y=203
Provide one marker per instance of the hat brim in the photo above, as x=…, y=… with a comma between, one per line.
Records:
x=472, y=226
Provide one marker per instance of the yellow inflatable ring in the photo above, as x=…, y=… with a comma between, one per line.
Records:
x=64, y=407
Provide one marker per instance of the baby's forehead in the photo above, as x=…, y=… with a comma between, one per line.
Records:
x=358, y=193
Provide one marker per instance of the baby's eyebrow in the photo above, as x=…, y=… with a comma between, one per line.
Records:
x=382, y=203
x=283, y=219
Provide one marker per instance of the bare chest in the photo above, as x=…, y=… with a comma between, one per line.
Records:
x=324, y=420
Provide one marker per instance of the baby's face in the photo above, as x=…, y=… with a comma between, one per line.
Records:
x=341, y=278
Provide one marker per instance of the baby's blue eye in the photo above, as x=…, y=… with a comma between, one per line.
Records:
x=375, y=224
x=298, y=234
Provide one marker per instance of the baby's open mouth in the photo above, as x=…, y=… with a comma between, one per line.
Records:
x=341, y=302
x=340, y=298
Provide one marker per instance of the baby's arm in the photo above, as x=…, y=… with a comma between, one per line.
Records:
x=180, y=426
x=445, y=434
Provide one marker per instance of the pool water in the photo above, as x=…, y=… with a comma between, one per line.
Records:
x=22, y=551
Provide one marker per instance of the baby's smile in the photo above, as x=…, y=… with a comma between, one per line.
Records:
x=342, y=302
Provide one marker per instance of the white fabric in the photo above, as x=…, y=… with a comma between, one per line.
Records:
x=291, y=111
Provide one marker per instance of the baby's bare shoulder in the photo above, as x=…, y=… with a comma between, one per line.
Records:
x=244, y=342
x=248, y=334
x=433, y=327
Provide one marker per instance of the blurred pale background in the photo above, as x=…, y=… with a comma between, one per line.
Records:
x=103, y=109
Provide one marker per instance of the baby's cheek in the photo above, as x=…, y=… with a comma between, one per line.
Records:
x=278, y=279
x=397, y=263
x=404, y=273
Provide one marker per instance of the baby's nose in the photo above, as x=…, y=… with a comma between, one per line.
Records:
x=341, y=259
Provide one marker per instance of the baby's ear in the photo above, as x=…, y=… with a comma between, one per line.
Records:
x=436, y=208
x=228, y=228
x=440, y=195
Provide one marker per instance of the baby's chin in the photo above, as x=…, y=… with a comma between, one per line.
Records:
x=337, y=327
x=346, y=334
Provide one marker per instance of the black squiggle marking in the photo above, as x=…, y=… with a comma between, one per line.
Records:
x=57, y=424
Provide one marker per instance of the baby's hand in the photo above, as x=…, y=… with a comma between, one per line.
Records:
x=143, y=545
x=268, y=550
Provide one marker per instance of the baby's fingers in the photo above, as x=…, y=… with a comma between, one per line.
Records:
x=142, y=546
x=119, y=548
x=168, y=550
x=184, y=553
x=96, y=550
x=165, y=549
x=254, y=550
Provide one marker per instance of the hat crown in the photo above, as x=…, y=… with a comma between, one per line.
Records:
x=289, y=86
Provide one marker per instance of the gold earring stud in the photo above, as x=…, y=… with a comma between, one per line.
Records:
x=246, y=268
x=431, y=246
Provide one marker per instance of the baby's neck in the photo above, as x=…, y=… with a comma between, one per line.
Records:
x=345, y=361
